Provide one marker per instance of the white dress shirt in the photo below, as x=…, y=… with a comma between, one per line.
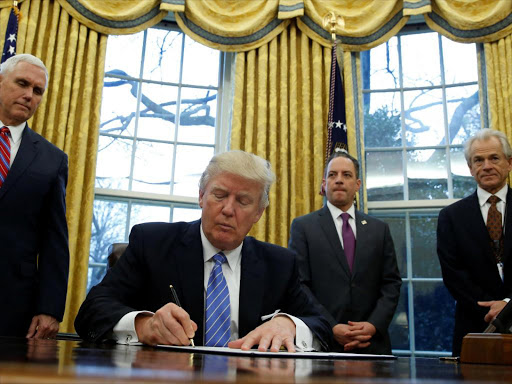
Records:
x=124, y=331
x=338, y=221
x=14, y=138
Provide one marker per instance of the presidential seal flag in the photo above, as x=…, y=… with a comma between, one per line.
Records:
x=11, y=33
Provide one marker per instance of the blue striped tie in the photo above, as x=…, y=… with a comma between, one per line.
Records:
x=218, y=312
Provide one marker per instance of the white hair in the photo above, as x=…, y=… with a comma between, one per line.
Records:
x=9, y=64
x=243, y=164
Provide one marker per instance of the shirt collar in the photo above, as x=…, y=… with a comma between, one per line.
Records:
x=483, y=195
x=336, y=212
x=209, y=251
x=16, y=130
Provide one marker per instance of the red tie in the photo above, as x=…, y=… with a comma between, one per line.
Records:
x=5, y=154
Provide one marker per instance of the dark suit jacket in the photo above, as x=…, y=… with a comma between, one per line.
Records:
x=34, y=255
x=160, y=254
x=468, y=264
x=370, y=292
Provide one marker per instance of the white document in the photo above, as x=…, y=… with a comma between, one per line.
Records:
x=281, y=354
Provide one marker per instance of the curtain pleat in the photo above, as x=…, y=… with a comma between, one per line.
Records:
x=498, y=58
x=279, y=113
x=69, y=117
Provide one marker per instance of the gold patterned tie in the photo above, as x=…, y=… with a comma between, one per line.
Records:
x=494, y=227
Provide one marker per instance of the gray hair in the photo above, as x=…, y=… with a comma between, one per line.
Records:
x=484, y=135
x=9, y=64
x=342, y=153
x=243, y=164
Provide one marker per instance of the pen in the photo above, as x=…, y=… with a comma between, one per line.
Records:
x=177, y=302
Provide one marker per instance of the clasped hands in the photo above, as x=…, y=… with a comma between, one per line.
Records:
x=171, y=325
x=354, y=335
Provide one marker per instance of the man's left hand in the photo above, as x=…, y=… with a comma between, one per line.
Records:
x=43, y=327
x=272, y=334
x=495, y=308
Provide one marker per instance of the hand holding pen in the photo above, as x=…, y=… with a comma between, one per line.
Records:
x=177, y=302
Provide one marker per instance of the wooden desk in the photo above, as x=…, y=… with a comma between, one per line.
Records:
x=64, y=361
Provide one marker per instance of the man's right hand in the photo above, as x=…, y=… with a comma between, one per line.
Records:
x=170, y=325
x=353, y=335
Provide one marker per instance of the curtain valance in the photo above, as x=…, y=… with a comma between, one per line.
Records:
x=242, y=25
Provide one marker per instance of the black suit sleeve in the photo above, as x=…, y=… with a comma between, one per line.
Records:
x=53, y=263
x=298, y=245
x=120, y=292
x=390, y=284
x=456, y=277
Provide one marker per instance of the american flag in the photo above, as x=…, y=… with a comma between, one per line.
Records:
x=11, y=34
x=337, y=121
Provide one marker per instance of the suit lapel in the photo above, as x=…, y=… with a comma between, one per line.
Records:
x=363, y=238
x=24, y=157
x=508, y=226
x=327, y=225
x=190, y=264
x=477, y=227
x=251, y=288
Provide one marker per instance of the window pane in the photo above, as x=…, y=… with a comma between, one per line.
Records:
x=186, y=214
x=385, y=177
x=399, y=327
x=424, y=118
x=158, y=111
x=396, y=222
x=382, y=127
x=197, y=116
x=423, y=241
x=118, y=107
x=147, y=213
x=454, y=54
x=194, y=69
x=124, y=54
x=426, y=174
x=163, y=54
x=463, y=182
x=153, y=167
x=463, y=112
x=108, y=227
x=434, y=313
x=420, y=59
x=191, y=161
x=113, y=162
x=380, y=66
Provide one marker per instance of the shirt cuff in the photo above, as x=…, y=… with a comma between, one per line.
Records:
x=124, y=330
x=305, y=341
x=506, y=300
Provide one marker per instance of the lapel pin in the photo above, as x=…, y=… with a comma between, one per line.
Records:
x=364, y=222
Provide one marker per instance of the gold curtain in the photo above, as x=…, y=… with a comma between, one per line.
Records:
x=68, y=116
x=280, y=105
x=498, y=59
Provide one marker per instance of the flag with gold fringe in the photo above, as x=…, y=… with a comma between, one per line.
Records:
x=337, y=120
x=11, y=33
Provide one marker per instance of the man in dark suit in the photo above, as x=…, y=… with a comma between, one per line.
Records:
x=34, y=255
x=476, y=267
x=134, y=301
x=359, y=295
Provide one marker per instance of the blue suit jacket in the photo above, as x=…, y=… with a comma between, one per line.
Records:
x=468, y=264
x=34, y=254
x=369, y=293
x=160, y=254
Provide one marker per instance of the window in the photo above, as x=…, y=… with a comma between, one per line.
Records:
x=421, y=101
x=160, y=122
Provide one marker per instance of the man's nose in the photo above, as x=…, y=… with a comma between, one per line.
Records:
x=29, y=92
x=228, y=206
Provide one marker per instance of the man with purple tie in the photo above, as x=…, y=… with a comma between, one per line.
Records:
x=347, y=261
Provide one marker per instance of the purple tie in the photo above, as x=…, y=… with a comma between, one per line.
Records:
x=349, y=240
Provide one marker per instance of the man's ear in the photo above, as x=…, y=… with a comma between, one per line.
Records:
x=201, y=194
